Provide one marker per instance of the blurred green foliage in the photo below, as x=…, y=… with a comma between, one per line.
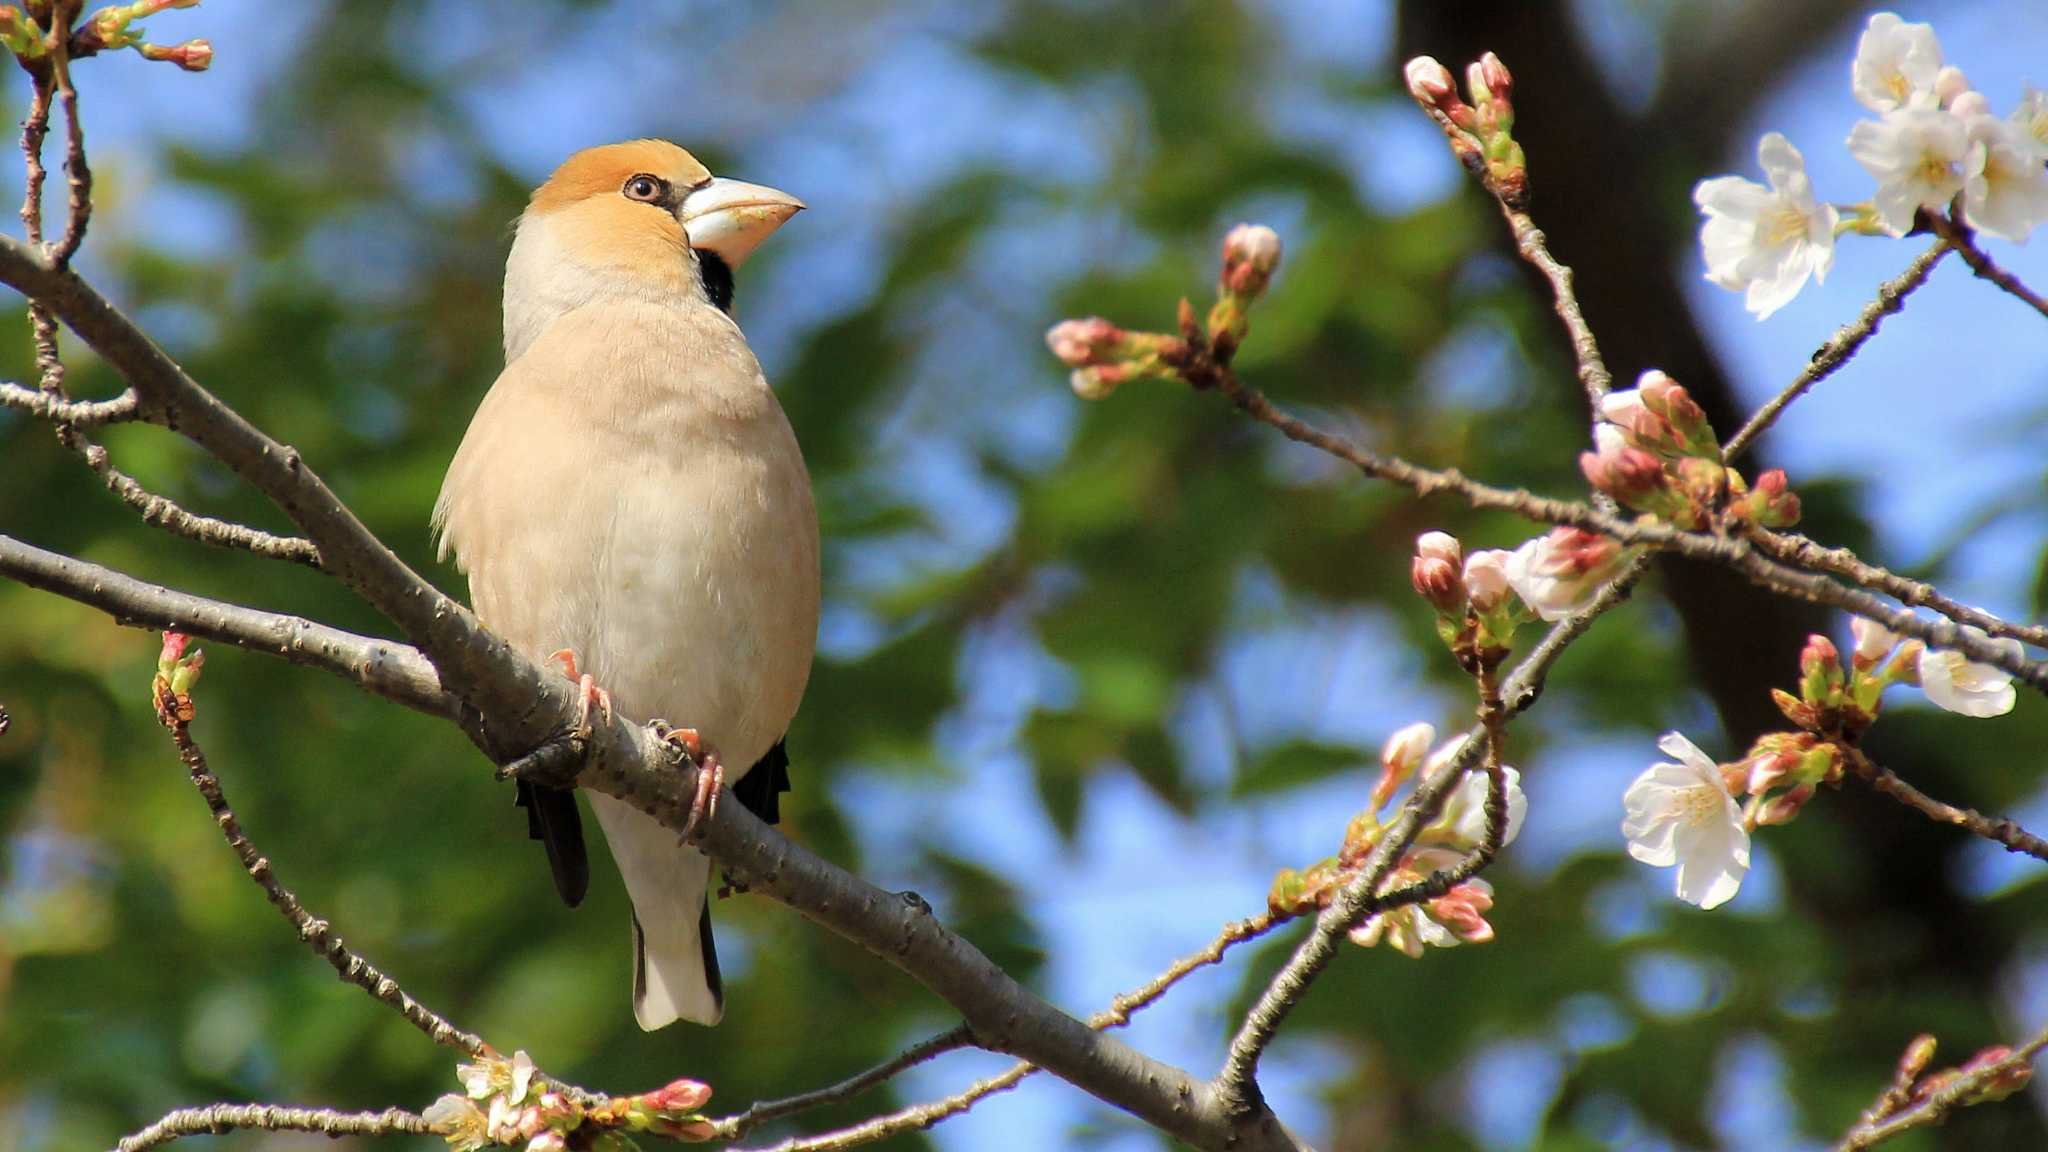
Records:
x=1128, y=555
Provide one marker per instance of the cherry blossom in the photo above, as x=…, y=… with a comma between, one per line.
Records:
x=1766, y=241
x=1682, y=813
x=1917, y=156
x=1560, y=572
x=1897, y=64
x=1968, y=689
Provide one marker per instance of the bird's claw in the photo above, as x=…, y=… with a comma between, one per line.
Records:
x=588, y=692
x=710, y=775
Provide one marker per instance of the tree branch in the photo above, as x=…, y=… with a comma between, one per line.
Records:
x=1998, y=830
x=1841, y=347
x=217, y=1118
x=393, y=671
x=1959, y=238
x=316, y=932
x=1799, y=551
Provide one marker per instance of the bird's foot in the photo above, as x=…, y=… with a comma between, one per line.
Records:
x=710, y=776
x=591, y=695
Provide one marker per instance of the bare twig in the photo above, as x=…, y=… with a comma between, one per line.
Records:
x=79, y=414
x=1895, y=1113
x=314, y=931
x=1361, y=896
x=761, y=1112
x=217, y=1118
x=1998, y=830
x=1799, y=551
x=922, y=1116
x=165, y=513
x=1966, y=247
x=1531, y=244
x=1734, y=553
x=1841, y=347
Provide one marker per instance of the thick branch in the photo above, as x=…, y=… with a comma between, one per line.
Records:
x=392, y=671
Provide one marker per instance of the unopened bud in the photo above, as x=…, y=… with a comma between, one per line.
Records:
x=1097, y=382
x=1486, y=579
x=1250, y=254
x=1783, y=808
x=1080, y=343
x=1400, y=758
x=1951, y=89
x=1439, y=582
x=678, y=1096
x=1627, y=473
x=1494, y=74
x=1433, y=86
x=1874, y=642
x=192, y=55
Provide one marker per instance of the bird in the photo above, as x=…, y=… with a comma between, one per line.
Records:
x=630, y=501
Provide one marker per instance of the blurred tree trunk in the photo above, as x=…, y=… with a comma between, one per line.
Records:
x=1607, y=187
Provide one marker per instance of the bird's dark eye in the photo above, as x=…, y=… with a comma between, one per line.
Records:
x=649, y=189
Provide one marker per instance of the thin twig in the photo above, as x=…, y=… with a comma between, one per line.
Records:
x=80, y=414
x=1980, y=263
x=314, y=931
x=923, y=1116
x=217, y=1118
x=77, y=173
x=1998, y=830
x=1870, y=1132
x=1735, y=553
x=165, y=513
x=1531, y=244
x=1799, y=551
x=1841, y=347
x=761, y=1112
x=1361, y=896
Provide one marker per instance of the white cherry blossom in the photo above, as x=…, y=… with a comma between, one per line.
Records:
x=1967, y=689
x=1560, y=572
x=1681, y=813
x=1765, y=241
x=2005, y=187
x=1896, y=65
x=2031, y=118
x=1462, y=823
x=1918, y=157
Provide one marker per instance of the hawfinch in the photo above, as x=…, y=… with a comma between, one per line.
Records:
x=630, y=498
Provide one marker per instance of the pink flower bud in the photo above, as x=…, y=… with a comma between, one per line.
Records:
x=1626, y=473
x=1431, y=83
x=1496, y=76
x=173, y=650
x=1561, y=572
x=1463, y=910
x=678, y=1096
x=1486, y=579
x=1081, y=343
x=1250, y=254
x=1440, y=546
x=1819, y=657
x=1098, y=381
x=1783, y=808
x=1400, y=758
x=1874, y=642
x=192, y=55
x=1438, y=582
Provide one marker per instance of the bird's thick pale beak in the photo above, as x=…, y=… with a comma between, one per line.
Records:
x=730, y=217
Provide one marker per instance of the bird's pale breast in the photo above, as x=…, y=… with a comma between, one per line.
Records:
x=631, y=490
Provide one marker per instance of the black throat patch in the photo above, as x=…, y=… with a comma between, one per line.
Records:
x=716, y=276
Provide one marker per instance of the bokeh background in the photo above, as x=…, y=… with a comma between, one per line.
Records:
x=1089, y=674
